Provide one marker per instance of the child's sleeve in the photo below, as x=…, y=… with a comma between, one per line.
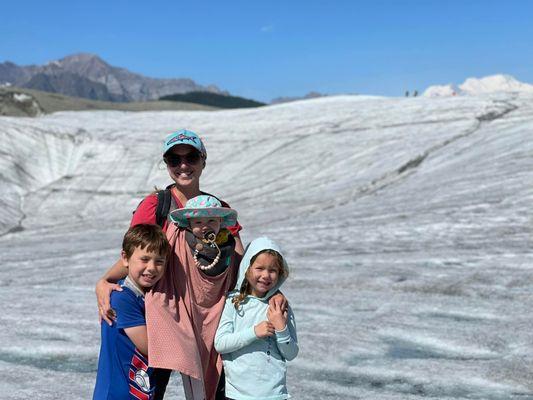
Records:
x=226, y=339
x=129, y=311
x=287, y=340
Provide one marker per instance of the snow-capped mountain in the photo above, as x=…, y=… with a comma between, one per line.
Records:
x=476, y=86
x=87, y=75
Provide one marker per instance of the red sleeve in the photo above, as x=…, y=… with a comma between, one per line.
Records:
x=145, y=212
x=235, y=229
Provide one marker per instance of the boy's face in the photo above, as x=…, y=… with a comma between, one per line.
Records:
x=144, y=268
x=201, y=225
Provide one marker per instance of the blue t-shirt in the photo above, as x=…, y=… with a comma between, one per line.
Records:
x=123, y=371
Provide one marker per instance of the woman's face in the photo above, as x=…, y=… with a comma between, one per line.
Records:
x=185, y=166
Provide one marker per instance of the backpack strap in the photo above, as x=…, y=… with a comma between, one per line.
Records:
x=164, y=199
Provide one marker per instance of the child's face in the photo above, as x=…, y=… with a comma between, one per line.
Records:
x=263, y=274
x=144, y=268
x=201, y=225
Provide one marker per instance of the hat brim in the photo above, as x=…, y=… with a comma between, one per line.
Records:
x=181, y=215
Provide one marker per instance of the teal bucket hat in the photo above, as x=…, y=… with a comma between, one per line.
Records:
x=183, y=136
x=203, y=206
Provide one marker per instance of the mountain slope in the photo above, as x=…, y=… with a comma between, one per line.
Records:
x=30, y=103
x=214, y=100
x=71, y=84
x=120, y=84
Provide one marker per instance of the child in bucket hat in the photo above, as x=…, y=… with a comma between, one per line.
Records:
x=205, y=221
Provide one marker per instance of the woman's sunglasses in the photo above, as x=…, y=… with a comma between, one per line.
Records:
x=173, y=160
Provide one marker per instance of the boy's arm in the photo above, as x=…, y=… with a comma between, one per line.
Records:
x=105, y=286
x=139, y=337
x=130, y=318
x=287, y=340
x=226, y=340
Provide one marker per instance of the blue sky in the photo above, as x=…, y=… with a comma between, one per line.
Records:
x=262, y=50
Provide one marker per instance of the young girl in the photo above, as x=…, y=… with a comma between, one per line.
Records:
x=254, y=339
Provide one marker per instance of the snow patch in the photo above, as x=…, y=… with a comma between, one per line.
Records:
x=494, y=84
x=22, y=97
x=409, y=345
x=443, y=91
x=56, y=63
x=477, y=86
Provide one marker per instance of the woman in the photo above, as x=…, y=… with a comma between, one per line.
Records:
x=183, y=310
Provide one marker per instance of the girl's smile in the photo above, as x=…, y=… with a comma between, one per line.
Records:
x=263, y=274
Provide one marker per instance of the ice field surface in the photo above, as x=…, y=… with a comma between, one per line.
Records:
x=406, y=221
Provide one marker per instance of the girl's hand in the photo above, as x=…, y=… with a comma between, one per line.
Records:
x=103, y=294
x=264, y=329
x=277, y=317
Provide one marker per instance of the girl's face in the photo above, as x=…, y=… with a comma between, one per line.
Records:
x=263, y=274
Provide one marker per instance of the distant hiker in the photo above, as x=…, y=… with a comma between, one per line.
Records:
x=407, y=93
x=415, y=93
x=123, y=371
x=255, y=338
x=184, y=307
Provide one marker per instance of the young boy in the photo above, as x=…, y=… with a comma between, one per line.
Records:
x=205, y=220
x=123, y=371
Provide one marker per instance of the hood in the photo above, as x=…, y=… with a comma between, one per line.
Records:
x=256, y=246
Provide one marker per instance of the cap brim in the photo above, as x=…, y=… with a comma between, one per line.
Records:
x=181, y=215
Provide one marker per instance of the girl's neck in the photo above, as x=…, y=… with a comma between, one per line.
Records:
x=254, y=293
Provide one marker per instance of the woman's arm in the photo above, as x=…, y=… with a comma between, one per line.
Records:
x=239, y=248
x=117, y=272
x=105, y=286
x=226, y=340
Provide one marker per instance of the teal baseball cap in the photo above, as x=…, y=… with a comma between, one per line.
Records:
x=184, y=136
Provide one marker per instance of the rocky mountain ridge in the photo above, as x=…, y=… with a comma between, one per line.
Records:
x=88, y=76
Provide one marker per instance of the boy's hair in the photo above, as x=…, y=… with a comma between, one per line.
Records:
x=146, y=236
x=246, y=289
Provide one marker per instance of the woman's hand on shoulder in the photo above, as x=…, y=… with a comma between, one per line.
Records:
x=277, y=316
x=103, y=295
x=279, y=300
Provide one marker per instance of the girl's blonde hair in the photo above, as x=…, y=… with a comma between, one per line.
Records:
x=246, y=289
